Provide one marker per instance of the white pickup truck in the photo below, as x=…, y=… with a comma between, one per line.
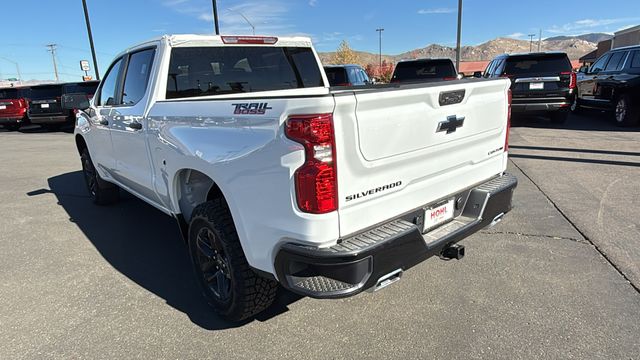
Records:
x=277, y=179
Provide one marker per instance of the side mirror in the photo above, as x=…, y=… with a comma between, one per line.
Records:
x=75, y=101
x=477, y=74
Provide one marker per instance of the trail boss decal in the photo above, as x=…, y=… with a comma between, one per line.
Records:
x=373, y=191
x=251, y=108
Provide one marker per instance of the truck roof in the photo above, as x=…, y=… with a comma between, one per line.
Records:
x=176, y=40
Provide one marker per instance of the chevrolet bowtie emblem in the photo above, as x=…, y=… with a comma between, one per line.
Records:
x=451, y=125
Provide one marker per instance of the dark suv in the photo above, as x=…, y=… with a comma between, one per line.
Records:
x=45, y=105
x=613, y=83
x=424, y=70
x=541, y=83
x=346, y=75
x=13, y=107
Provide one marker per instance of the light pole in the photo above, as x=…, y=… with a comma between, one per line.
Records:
x=16, y=64
x=531, y=41
x=380, y=30
x=458, y=45
x=245, y=19
x=215, y=17
x=93, y=50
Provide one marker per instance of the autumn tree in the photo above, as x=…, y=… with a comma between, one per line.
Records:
x=345, y=55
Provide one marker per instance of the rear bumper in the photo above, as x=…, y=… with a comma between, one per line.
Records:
x=357, y=263
x=53, y=119
x=12, y=120
x=540, y=105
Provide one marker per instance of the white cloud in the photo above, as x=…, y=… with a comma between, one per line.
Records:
x=313, y=2
x=268, y=18
x=436, y=11
x=516, y=35
x=588, y=25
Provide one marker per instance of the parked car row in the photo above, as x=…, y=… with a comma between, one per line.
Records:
x=41, y=104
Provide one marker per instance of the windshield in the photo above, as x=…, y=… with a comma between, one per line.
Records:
x=336, y=75
x=81, y=88
x=8, y=93
x=46, y=92
x=424, y=69
x=534, y=64
x=201, y=71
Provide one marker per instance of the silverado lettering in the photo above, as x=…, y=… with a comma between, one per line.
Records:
x=373, y=191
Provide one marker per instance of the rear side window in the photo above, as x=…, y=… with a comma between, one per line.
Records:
x=635, y=63
x=201, y=71
x=419, y=70
x=617, y=61
x=137, y=77
x=46, y=92
x=336, y=75
x=536, y=64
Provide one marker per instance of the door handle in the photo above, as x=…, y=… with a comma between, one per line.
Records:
x=104, y=122
x=135, y=125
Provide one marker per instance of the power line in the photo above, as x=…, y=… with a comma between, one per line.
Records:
x=52, y=50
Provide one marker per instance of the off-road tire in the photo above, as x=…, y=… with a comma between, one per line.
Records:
x=100, y=191
x=248, y=293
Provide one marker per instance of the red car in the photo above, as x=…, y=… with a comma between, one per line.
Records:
x=14, y=103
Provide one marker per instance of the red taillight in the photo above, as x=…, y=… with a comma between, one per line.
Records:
x=344, y=84
x=506, y=139
x=573, y=80
x=250, y=40
x=449, y=78
x=316, y=180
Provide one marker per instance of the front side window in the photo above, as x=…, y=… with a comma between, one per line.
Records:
x=599, y=65
x=107, y=95
x=202, y=71
x=137, y=76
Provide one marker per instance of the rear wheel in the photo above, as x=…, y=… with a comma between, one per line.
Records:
x=559, y=117
x=626, y=113
x=227, y=282
x=100, y=191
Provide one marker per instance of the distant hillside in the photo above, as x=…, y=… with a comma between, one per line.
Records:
x=575, y=47
x=594, y=37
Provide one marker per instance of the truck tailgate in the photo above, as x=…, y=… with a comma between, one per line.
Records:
x=410, y=150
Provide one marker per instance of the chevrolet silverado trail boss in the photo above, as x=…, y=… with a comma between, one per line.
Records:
x=276, y=178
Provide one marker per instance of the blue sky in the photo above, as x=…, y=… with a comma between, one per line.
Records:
x=28, y=25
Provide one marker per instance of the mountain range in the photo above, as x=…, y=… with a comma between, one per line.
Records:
x=574, y=46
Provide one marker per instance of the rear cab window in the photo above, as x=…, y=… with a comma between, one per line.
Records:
x=48, y=92
x=537, y=64
x=423, y=70
x=203, y=71
x=6, y=94
x=337, y=76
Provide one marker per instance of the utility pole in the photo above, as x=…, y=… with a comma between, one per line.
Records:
x=215, y=17
x=52, y=49
x=531, y=41
x=539, y=40
x=380, y=30
x=458, y=44
x=93, y=50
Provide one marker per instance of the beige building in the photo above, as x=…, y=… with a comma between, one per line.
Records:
x=626, y=37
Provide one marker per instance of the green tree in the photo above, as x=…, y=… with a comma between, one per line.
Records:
x=345, y=55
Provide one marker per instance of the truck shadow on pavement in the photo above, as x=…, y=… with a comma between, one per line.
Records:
x=145, y=245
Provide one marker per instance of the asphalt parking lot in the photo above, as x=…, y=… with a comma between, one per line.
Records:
x=558, y=278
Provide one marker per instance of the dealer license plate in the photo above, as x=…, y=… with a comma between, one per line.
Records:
x=536, y=86
x=44, y=106
x=438, y=215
